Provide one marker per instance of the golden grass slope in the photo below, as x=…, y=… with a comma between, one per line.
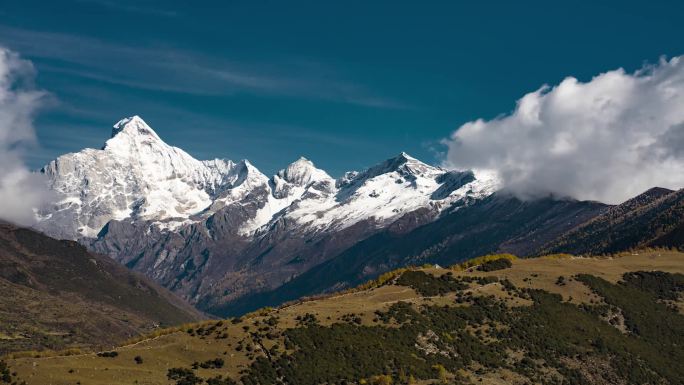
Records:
x=231, y=340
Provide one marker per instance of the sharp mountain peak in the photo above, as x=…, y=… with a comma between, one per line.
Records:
x=134, y=126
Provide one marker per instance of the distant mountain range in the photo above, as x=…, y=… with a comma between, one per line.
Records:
x=136, y=176
x=57, y=295
x=229, y=239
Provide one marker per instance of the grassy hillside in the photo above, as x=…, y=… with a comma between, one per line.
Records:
x=56, y=295
x=551, y=320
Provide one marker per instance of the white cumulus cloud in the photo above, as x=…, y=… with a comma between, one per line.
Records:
x=21, y=191
x=608, y=139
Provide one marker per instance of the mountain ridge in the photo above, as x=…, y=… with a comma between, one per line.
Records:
x=151, y=180
x=653, y=218
x=497, y=224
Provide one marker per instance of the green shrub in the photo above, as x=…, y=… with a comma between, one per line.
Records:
x=183, y=376
x=429, y=285
x=216, y=363
x=661, y=285
x=220, y=380
x=480, y=260
x=495, y=264
x=5, y=373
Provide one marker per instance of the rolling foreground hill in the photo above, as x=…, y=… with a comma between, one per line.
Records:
x=57, y=295
x=548, y=320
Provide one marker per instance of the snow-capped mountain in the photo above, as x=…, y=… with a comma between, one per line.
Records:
x=214, y=231
x=135, y=175
x=383, y=193
x=139, y=177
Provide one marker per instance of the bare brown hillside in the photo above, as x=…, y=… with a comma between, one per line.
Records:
x=57, y=295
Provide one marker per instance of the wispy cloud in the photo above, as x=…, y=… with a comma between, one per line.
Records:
x=126, y=6
x=169, y=69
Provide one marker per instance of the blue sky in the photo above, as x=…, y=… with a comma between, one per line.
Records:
x=345, y=84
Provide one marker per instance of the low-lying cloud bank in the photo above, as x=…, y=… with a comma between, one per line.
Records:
x=607, y=139
x=21, y=191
